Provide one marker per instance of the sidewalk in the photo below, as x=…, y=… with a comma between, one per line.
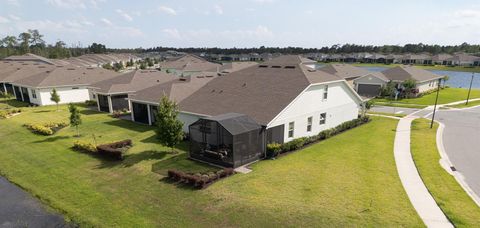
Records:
x=416, y=190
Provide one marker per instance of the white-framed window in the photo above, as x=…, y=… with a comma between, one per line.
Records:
x=323, y=118
x=325, y=93
x=291, y=129
x=34, y=94
x=309, y=124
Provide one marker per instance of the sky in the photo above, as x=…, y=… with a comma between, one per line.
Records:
x=244, y=23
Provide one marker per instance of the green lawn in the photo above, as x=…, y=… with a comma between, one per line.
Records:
x=449, y=195
x=436, y=67
x=348, y=180
x=462, y=105
x=446, y=95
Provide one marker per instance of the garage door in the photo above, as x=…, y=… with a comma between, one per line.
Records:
x=369, y=90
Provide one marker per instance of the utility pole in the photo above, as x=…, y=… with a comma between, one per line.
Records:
x=436, y=101
x=470, y=89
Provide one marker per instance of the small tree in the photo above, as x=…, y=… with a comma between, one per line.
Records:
x=75, y=119
x=388, y=90
x=445, y=79
x=169, y=128
x=367, y=105
x=55, y=97
x=410, y=87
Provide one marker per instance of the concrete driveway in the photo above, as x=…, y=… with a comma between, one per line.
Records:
x=461, y=139
x=393, y=110
x=19, y=209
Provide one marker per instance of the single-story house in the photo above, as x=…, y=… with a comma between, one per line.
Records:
x=345, y=71
x=441, y=59
x=425, y=59
x=71, y=83
x=462, y=59
x=112, y=94
x=188, y=64
x=370, y=84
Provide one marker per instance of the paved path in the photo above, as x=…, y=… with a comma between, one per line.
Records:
x=461, y=140
x=393, y=110
x=416, y=190
x=19, y=209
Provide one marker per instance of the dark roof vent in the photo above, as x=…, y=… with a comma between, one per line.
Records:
x=70, y=68
x=47, y=71
x=182, y=79
x=200, y=76
x=289, y=67
x=38, y=67
x=244, y=84
x=263, y=66
x=209, y=76
x=276, y=66
x=89, y=68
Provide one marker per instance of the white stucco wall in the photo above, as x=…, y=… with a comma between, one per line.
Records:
x=369, y=79
x=187, y=119
x=340, y=106
x=426, y=86
x=67, y=95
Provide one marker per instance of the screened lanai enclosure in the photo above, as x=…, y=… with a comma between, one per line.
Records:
x=229, y=140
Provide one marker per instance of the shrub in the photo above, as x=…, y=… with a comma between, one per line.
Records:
x=9, y=112
x=84, y=147
x=273, y=149
x=45, y=129
x=114, y=150
x=198, y=180
x=91, y=103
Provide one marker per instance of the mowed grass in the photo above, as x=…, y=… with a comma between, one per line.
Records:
x=348, y=180
x=425, y=67
x=447, y=95
x=460, y=209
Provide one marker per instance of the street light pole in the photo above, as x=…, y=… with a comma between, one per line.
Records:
x=470, y=89
x=436, y=101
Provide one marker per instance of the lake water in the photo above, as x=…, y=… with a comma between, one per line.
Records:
x=456, y=79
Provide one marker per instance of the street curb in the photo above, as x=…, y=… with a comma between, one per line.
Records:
x=446, y=164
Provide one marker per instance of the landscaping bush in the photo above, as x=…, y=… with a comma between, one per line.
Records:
x=274, y=149
x=118, y=113
x=199, y=180
x=84, y=147
x=9, y=112
x=91, y=103
x=115, y=150
x=45, y=129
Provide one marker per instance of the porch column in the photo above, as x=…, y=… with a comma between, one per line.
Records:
x=131, y=110
x=110, y=106
x=14, y=93
x=4, y=88
x=149, y=115
x=98, y=101
x=21, y=93
x=129, y=105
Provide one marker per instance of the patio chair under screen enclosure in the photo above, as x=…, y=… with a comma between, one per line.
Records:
x=229, y=140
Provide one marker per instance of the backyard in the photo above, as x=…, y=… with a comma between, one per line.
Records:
x=445, y=96
x=460, y=209
x=426, y=67
x=347, y=180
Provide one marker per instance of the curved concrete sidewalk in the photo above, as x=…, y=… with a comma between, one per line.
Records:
x=416, y=190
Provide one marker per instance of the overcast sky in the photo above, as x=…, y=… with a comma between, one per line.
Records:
x=245, y=23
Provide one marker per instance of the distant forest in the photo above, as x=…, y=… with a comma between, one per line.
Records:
x=32, y=41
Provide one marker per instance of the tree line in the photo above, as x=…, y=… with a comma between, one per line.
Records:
x=31, y=41
x=334, y=49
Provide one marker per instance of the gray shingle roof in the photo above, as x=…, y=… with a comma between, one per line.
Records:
x=132, y=81
x=190, y=63
x=344, y=71
x=402, y=73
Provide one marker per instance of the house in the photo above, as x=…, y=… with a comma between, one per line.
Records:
x=441, y=59
x=188, y=64
x=462, y=59
x=112, y=94
x=144, y=102
x=30, y=58
x=424, y=59
x=235, y=66
x=371, y=84
x=34, y=85
x=393, y=58
x=344, y=71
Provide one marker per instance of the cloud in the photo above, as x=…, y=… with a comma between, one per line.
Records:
x=75, y=4
x=218, y=9
x=13, y=2
x=106, y=21
x=167, y=10
x=173, y=33
x=14, y=17
x=4, y=20
x=263, y=1
x=467, y=13
x=125, y=15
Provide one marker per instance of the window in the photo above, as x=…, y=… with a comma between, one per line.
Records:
x=93, y=96
x=34, y=94
x=291, y=127
x=309, y=124
x=325, y=92
x=323, y=118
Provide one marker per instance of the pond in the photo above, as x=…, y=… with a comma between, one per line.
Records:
x=456, y=79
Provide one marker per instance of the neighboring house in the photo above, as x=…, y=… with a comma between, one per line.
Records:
x=71, y=83
x=144, y=102
x=441, y=59
x=393, y=58
x=189, y=64
x=370, y=84
x=462, y=59
x=345, y=71
x=424, y=59
x=112, y=94
x=30, y=58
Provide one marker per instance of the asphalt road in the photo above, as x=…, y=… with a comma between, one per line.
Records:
x=19, y=209
x=461, y=139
